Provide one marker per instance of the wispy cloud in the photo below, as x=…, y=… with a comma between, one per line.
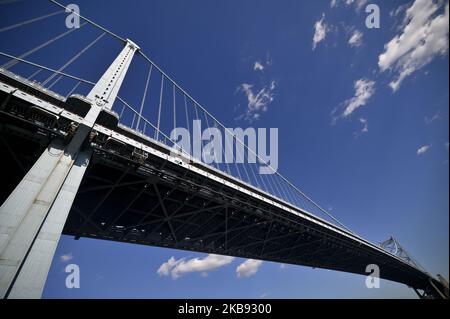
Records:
x=365, y=124
x=357, y=3
x=399, y=10
x=248, y=268
x=431, y=119
x=355, y=39
x=258, y=100
x=258, y=96
x=66, y=257
x=364, y=89
x=165, y=268
x=423, y=37
x=176, y=268
x=364, y=129
x=423, y=149
x=258, y=66
x=320, y=31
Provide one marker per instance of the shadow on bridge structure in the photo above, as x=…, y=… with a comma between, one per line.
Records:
x=89, y=163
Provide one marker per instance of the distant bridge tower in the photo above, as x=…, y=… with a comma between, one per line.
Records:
x=33, y=216
x=394, y=247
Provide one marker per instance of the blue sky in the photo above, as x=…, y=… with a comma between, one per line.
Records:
x=346, y=137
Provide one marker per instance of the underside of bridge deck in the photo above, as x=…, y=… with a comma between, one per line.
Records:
x=148, y=200
x=160, y=205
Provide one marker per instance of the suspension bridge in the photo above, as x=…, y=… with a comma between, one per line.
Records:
x=82, y=160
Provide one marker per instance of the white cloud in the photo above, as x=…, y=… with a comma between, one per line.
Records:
x=177, y=268
x=424, y=36
x=165, y=268
x=258, y=66
x=434, y=117
x=365, y=124
x=364, y=89
x=355, y=39
x=423, y=149
x=364, y=129
x=248, y=268
x=66, y=258
x=399, y=10
x=358, y=3
x=320, y=31
x=257, y=101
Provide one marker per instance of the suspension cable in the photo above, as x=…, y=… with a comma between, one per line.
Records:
x=143, y=97
x=160, y=104
x=199, y=105
x=242, y=143
x=43, y=45
x=74, y=58
x=73, y=89
x=174, y=109
x=34, y=74
x=20, y=24
x=54, y=82
x=89, y=21
x=187, y=114
x=158, y=131
x=46, y=68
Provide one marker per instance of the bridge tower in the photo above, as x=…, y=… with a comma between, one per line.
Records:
x=434, y=289
x=33, y=216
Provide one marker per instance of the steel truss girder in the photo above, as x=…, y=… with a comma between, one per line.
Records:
x=215, y=229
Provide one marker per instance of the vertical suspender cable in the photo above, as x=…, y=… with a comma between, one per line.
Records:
x=174, y=109
x=187, y=114
x=73, y=89
x=160, y=104
x=215, y=155
x=74, y=58
x=242, y=143
x=56, y=81
x=121, y=112
x=143, y=96
x=194, y=101
x=134, y=118
x=34, y=74
x=45, y=68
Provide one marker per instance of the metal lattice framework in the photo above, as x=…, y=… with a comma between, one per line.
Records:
x=175, y=103
x=136, y=184
x=393, y=246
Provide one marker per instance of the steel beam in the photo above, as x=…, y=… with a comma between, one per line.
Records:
x=31, y=278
